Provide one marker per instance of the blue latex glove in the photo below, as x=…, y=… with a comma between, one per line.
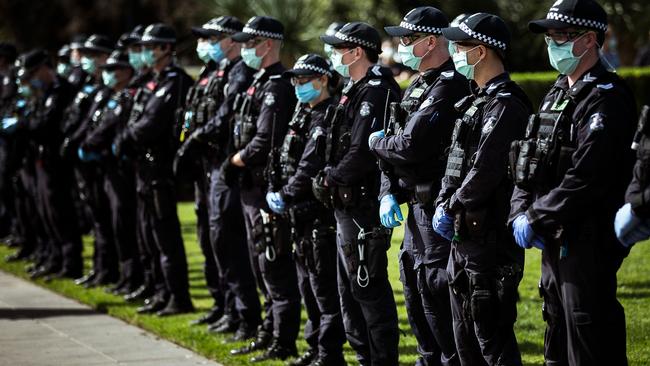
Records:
x=275, y=201
x=114, y=150
x=86, y=156
x=388, y=210
x=524, y=234
x=375, y=135
x=630, y=228
x=9, y=124
x=442, y=223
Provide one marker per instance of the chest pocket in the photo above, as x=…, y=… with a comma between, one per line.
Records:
x=294, y=143
x=465, y=137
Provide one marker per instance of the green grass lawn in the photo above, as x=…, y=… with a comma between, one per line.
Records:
x=634, y=293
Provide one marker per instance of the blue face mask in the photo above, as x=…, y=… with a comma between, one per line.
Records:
x=216, y=52
x=337, y=63
x=148, y=57
x=203, y=51
x=461, y=64
x=561, y=56
x=306, y=92
x=88, y=64
x=135, y=59
x=109, y=78
x=251, y=59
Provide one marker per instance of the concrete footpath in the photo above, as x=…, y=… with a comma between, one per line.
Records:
x=41, y=328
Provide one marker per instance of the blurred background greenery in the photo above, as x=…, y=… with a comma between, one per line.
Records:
x=51, y=23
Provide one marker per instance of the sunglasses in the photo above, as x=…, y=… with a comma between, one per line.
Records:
x=560, y=38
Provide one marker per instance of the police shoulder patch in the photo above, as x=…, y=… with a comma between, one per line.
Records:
x=503, y=95
x=489, y=124
x=605, y=86
x=427, y=102
x=596, y=122
x=374, y=82
x=365, y=109
x=269, y=99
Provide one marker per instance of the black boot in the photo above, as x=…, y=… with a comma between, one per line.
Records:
x=210, y=317
x=243, y=333
x=262, y=340
x=90, y=276
x=305, y=359
x=276, y=352
x=176, y=306
x=143, y=292
x=153, y=304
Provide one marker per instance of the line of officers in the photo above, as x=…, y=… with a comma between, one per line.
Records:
x=299, y=175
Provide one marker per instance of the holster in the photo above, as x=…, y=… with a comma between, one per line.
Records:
x=424, y=193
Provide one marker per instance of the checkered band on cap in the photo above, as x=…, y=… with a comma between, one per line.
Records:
x=304, y=66
x=346, y=38
x=577, y=21
x=420, y=28
x=482, y=37
x=219, y=28
x=150, y=38
x=261, y=33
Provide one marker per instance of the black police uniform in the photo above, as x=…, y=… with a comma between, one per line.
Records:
x=571, y=200
x=261, y=123
x=638, y=191
x=200, y=106
x=413, y=156
x=227, y=227
x=53, y=181
x=313, y=227
x=150, y=133
x=118, y=182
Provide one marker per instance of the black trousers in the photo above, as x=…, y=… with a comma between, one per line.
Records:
x=315, y=256
x=29, y=225
x=57, y=212
x=230, y=249
x=201, y=207
x=105, y=254
x=161, y=220
x=423, y=274
x=277, y=272
x=483, y=307
x=119, y=185
x=585, y=321
x=369, y=313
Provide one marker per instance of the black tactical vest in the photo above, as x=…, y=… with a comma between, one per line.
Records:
x=541, y=160
x=79, y=107
x=247, y=112
x=140, y=100
x=295, y=141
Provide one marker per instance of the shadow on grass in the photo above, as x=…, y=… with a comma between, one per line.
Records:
x=528, y=347
x=41, y=313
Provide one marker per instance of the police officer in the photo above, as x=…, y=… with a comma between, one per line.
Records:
x=485, y=265
x=412, y=154
x=260, y=124
x=313, y=227
x=53, y=176
x=8, y=92
x=149, y=137
x=77, y=76
x=631, y=223
x=571, y=172
x=350, y=182
x=118, y=181
x=201, y=106
x=63, y=66
x=88, y=101
x=227, y=228
x=142, y=84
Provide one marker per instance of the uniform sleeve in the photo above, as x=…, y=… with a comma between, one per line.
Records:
x=277, y=105
x=160, y=107
x=638, y=192
x=369, y=115
x=503, y=123
x=424, y=129
x=588, y=180
x=45, y=125
x=311, y=162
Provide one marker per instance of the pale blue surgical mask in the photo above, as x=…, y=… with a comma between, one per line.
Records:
x=109, y=79
x=337, y=63
x=62, y=68
x=461, y=65
x=250, y=57
x=135, y=59
x=203, y=51
x=306, y=92
x=408, y=57
x=148, y=57
x=216, y=52
x=562, y=58
x=88, y=64
x=328, y=49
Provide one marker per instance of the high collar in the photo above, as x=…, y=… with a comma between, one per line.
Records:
x=589, y=77
x=493, y=85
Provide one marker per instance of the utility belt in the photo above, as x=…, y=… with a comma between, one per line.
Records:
x=365, y=257
x=244, y=130
x=310, y=250
x=488, y=297
x=340, y=197
x=425, y=193
x=271, y=236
